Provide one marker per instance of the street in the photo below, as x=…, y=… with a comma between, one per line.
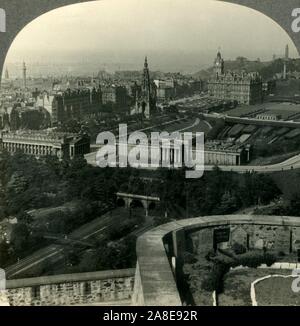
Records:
x=291, y=163
x=53, y=252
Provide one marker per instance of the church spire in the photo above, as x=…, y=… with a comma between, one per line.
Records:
x=286, y=56
x=146, y=76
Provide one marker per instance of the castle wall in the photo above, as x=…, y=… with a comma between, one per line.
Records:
x=159, y=250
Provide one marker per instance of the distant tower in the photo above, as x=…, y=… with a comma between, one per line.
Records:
x=284, y=75
x=6, y=74
x=286, y=52
x=24, y=75
x=285, y=60
x=146, y=101
x=219, y=65
x=146, y=77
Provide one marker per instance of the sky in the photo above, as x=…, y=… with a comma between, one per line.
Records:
x=177, y=35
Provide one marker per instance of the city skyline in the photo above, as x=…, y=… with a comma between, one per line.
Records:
x=102, y=35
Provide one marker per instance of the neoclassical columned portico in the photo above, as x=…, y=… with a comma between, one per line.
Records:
x=40, y=143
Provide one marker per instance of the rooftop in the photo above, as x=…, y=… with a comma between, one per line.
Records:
x=38, y=135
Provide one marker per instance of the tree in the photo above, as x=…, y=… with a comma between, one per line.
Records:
x=17, y=184
x=294, y=207
x=24, y=218
x=4, y=254
x=264, y=188
x=19, y=238
x=241, y=62
x=228, y=204
x=118, y=255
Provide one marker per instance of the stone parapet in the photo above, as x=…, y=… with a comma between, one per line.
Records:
x=159, y=250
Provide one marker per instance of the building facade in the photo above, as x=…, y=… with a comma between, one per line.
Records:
x=5, y=118
x=168, y=153
x=115, y=95
x=74, y=104
x=165, y=89
x=226, y=153
x=244, y=88
x=27, y=117
x=268, y=116
x=44, y=143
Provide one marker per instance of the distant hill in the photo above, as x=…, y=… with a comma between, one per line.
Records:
x=287, y=88
x=266, y=69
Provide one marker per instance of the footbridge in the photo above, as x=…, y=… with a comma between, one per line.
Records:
x=133, y=200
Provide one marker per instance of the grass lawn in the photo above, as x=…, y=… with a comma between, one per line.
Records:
x=276, y=291
x=287, y=182
x=237, y=285
x=197, y=273
x=272, y=159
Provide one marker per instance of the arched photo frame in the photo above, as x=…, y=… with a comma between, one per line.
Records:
x=16, y=14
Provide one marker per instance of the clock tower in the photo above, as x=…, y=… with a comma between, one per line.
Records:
x=219, y=65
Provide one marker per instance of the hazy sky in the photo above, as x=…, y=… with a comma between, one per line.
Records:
x=177, y=35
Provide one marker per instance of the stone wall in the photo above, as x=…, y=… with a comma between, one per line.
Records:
x=72, y=289
x=3, y=298
x=278, y=238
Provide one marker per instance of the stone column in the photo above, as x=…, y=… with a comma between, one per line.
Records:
x=145, y=204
